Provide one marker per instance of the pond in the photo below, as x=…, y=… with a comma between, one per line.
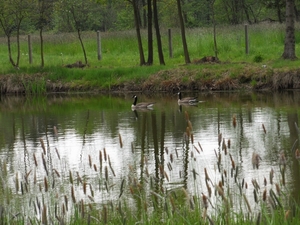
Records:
x=59, y=150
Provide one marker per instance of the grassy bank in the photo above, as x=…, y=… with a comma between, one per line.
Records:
x=119, y=67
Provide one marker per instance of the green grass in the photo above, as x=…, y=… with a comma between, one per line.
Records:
x=120, y=57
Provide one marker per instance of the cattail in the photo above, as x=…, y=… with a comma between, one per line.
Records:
x=224, y=148
x=66, y=202
x=167, y=150
x=95, y=167
x=265, y=181
x=200, y=146
x=120, y=140
x=112, y=170
x=43, y=146
x=63, y=209
x=186, y=116
x=255, y=184
x=34, y=177
x=206, y=174
x=297, y=154
x=91, y=190
x=255, y=160
x=271, y=176
x=197, y=149
x=73, y=194
x=104, y=153
x=57, y=153
x=228, y=143
x=90, y=161
x=70, y=177
x=79, y=180
x=56, y=172
x=84, y=187
x=100, y=160
x=17, y=182
x=190, y=125
x=234, y=120
x=188, y=132
x=263, y=126
x=255, y=195
x=282, y=159
x=45, y=165
x=192, y=138
x=46, y=184
x=205, y=202
x=277, y=188
x=264, y=195
x=106, y=173
x=91, y=198
x=166, y=176
x=169, y=166
x=35, y=161
x=219, y=138
x=171, y=158
x=44, y=215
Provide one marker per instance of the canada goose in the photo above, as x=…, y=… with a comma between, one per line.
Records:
x=141, y=105
x=186, y=100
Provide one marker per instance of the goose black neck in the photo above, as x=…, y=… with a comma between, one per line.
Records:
x=135, y=100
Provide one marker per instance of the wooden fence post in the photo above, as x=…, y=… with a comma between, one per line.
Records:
x=99, y=45
x=170, y=43
x=246, y=39
x=29, y=49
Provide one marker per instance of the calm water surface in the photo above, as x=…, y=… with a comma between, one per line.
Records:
x=96, y=146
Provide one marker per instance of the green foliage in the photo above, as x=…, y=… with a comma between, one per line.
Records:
x=258, y=58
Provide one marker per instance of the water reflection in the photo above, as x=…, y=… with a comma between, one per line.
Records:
x=100, y=142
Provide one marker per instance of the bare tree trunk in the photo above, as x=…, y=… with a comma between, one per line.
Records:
x=150, y=34
x=82, y=46
x=214, y=25
x=289, y=42
x=9, y=52
x=185, y=48
x=42, y=47
x=158, y=38
x=138, y=32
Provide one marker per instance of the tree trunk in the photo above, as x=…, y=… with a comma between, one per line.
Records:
x=158, y=38
x=82, y=46
x=185, y=48
x=214, y=29
x=42, y=47
x=289, y=42
x=150, y=35
x=9, y=51
x=138, y=33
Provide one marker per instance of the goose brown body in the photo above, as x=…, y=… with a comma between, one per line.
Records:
x=141, y=105
x=186, y=100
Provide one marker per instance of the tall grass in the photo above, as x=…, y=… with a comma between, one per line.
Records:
x=119, y=49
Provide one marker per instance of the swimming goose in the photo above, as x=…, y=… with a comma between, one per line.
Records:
x=186, y=100
x=141, y=105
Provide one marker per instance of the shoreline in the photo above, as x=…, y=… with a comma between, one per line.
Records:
x=171, y=80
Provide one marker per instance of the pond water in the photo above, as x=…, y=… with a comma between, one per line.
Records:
x=62, y=149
